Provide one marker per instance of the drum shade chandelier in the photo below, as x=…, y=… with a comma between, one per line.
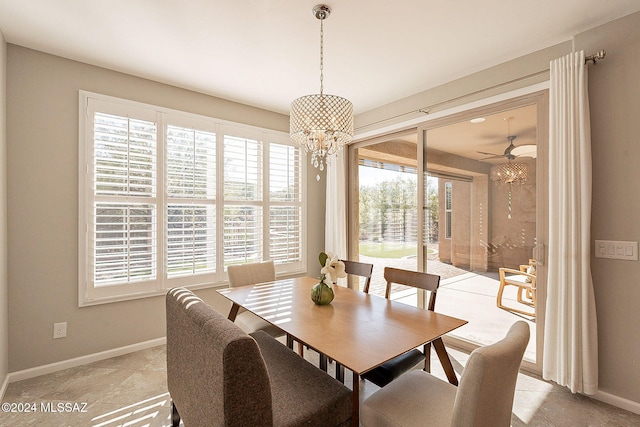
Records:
x=509, y=174
x=321, y=123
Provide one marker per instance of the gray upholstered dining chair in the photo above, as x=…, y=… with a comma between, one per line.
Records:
x=218, y=375
x=389, y=371
x=484, y=397
x=251, y=274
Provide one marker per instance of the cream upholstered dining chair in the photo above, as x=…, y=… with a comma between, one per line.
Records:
x=389, y=371
x=251, y=274
x=525, y=282
x=484, y=397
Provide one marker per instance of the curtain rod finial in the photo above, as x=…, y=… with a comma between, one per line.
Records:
x=596, y=56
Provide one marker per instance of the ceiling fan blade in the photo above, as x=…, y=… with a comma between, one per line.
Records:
x=489, y=154
x=528, y=150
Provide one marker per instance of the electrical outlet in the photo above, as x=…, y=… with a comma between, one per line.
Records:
x=59, y=330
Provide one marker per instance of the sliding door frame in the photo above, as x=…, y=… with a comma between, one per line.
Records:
x=353, y=216
x=541, y=99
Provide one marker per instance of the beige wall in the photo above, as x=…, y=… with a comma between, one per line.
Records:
x=614, y=97
x=4, y=299
x=42, y=162
x=614, y=89
x=42, y=156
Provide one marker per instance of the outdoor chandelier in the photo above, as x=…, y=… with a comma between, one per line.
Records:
x=320, y=123
x=509, y=174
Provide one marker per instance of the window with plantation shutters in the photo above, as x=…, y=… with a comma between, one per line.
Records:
x=170, y=199
x=285, y=203
x=243, y=207
x=125, y=203
x=191, y=203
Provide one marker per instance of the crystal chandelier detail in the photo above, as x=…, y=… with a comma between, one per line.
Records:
x=509, y=174
x=321, y=124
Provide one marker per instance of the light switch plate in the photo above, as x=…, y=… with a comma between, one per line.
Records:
x=614, y=249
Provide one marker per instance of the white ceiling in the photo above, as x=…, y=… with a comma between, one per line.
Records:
x=266, y=52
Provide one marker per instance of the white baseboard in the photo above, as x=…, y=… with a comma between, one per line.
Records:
x=5, y=383
x=71, y=363
x=617, y=401
x=611, y=399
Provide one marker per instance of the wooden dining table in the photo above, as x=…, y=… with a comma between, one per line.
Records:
x=357, y=330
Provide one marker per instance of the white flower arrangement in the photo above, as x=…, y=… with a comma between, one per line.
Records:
x=332, y=268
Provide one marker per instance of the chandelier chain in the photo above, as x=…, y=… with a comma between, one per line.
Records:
x=321, y=56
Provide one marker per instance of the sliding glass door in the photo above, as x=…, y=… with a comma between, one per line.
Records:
x=384, y=212
x=460, y=197
x=483, y=217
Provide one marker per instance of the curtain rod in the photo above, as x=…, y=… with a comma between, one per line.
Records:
x=426, y=110
x=596, y=56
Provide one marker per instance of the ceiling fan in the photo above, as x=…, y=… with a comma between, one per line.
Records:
x=511, y=152
x=507, y=152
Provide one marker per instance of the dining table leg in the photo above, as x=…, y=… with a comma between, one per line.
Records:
x=233, y=312
x=355, y=417
x=289, y=341
x=339, y=372
x=323, y=362
x=445, y=361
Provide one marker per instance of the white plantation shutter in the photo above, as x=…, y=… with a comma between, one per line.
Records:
x=169, y=199
x=124, y=244
x=285, y=204
x=191, y=204
x=243, y=207
x=125, y=172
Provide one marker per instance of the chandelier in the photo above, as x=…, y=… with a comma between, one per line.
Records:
x=321, y=124
x=509, y=174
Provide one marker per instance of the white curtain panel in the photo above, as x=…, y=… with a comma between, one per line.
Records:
x=570, y=356
x=335, y=234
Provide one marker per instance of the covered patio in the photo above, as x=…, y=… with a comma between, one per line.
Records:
x=463, y=294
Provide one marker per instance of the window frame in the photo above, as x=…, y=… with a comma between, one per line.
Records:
x=448, y=209
x=90, y=103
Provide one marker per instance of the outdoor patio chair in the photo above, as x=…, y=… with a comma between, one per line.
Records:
x=389, y=371
x=525, y=280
